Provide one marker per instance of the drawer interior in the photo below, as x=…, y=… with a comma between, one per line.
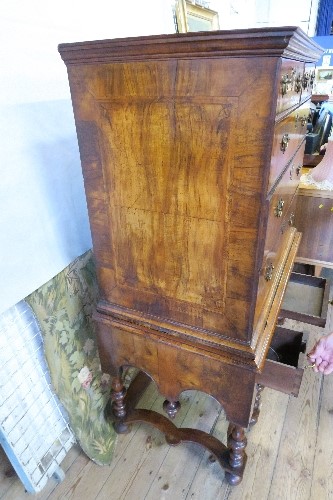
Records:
x=306, y=299
x=283, y=369
x=286, y=346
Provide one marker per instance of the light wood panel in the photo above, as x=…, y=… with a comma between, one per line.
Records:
x=314, y=218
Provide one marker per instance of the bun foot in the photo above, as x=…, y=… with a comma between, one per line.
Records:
x=121, y=428
x=172, y=440
x=232, y=479
x=171, y=408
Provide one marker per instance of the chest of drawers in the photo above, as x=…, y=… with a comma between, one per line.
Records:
x=191, y=147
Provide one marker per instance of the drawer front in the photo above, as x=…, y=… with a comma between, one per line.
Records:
x=302, y=116
x=295, y=167
x=282, y=205
x=290, y=84
x=273, y=276
x=266, y=279
x=280, y=210
x=287, y=222
x=286, y=187
x=271, y=262
x=278, y=237
x=288, y=136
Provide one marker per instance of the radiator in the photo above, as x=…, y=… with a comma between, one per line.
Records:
x=34, y=430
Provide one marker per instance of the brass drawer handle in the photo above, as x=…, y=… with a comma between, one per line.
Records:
x=312, y=78
x=308, y=80
x=278, y=210
x=304, y=121
x=285, y=81
x=298, y=83
x=305, y=80
x=269, y=272
x=284, y=142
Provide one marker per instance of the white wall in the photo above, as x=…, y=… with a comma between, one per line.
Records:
x=235, y=14
x=43, y=216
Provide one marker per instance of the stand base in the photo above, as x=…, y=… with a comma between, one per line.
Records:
x=175, y=435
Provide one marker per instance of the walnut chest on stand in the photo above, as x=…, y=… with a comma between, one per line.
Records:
x=191, y=147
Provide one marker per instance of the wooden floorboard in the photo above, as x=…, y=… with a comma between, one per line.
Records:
x=290, y=453
x=174, y=475
x=293, y=470
x=322, y=483
x=262, y=449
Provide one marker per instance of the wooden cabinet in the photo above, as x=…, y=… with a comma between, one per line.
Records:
x=314, y=215
x=190, y=146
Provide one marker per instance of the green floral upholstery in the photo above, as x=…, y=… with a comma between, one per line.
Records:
x=63, y=308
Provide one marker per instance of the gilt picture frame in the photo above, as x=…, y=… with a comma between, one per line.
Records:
x=324, y=75
x=193, y=16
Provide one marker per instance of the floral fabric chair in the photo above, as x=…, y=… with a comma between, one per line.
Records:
x=63, y=308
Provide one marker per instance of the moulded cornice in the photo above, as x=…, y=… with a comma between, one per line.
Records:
x=288, y=42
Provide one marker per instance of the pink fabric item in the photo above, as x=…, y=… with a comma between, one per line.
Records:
x=324, y=170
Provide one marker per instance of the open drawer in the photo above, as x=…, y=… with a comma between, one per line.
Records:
x=306, y=299
x=283, y=369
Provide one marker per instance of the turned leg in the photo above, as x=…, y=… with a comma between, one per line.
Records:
x=256, y=406
x=230, y=429
x=236, y=445
x=171, y=408
x=118, y=393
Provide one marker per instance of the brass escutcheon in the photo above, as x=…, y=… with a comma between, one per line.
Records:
x=269, y=272
x=291, y=219
x=284, y=142
x=291, y=171
x=279, y=208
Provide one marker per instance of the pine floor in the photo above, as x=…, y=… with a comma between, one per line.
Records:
x=290, y=453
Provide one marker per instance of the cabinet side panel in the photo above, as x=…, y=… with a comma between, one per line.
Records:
x=183, y=154
x=168, y=197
